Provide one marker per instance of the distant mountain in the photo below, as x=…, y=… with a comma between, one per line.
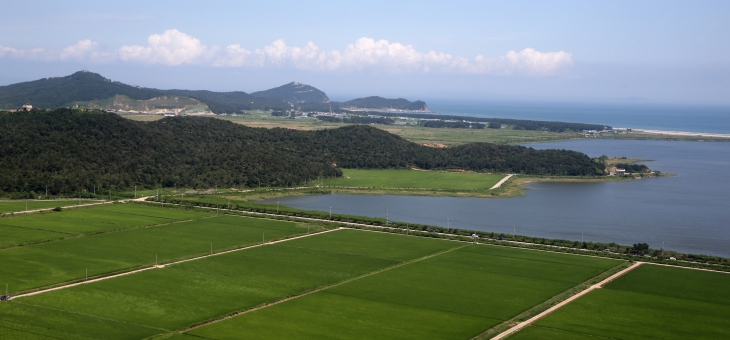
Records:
x=376, y=102
x=62, y=91
x=228, y=102
x=91, y=90
x=294, y=93
x=87, y=87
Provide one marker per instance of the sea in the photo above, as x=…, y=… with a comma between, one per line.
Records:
x=689, y=212
x=665, y=117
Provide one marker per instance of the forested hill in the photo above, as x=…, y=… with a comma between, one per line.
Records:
x=72, y=151
x=376, y=102
x=60, y=91
x=229, y=102
x=51, y=93
x=294, y=93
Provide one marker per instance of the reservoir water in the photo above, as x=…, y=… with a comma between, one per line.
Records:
x=689, y=213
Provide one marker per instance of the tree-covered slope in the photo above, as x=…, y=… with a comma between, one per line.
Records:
x=294, y=93
x=51, y=93
x=229, y=102
x=73, y=151
x=60, y=91
x=376, y=102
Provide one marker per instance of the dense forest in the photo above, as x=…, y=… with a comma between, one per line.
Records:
x=73, y=151
x=230, y=102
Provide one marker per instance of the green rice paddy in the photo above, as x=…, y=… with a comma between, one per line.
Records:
x=184, y=294
x=650, y=302
x=413, y=179
x=456, y=295
x=363, y=284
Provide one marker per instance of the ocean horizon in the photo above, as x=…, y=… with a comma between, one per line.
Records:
x=664, y=117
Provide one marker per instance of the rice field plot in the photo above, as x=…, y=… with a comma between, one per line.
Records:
x=22, y=205
x=454, y=295
x=413, y=179
x=188, y=293
x=54, y=262
x=650, y=302
x=100, y=218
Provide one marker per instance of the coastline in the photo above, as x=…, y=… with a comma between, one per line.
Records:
x=683, y=133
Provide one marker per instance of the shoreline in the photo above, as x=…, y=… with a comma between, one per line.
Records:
x=683, y=133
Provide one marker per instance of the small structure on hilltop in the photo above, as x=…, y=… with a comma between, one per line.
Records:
x=26, y=107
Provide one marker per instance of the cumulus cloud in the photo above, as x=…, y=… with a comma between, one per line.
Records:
x=174, y=48
x=394, y=57
x=170, y=48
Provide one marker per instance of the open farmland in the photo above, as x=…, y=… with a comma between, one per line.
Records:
x=21, y=205
x=454, y=295
x=413, y=179
x=180, y=295
x=65, y=260
x=650, y=302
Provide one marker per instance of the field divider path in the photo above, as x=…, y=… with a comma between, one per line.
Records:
x=533, y=319
x=165, y=265
x=269, y=304
x=499, y=184
x=64, y=207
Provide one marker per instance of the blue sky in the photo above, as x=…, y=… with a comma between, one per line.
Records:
x=609, y=51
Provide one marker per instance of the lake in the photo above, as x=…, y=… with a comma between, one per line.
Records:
x=690, y=212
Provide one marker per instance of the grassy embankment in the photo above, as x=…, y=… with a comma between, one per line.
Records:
x=650, y=302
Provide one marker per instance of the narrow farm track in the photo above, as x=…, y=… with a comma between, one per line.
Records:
x=323, y=288
x=64, y=207
x=565, y=302
x=499, y=184
x=163, y=266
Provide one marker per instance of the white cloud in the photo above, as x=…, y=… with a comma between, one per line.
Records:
x=169, y=48
x=174, y=48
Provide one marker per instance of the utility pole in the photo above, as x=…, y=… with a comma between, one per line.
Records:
x=448, y=223
x=135, y=191
x=87, y=274
x=581, y=238
x=26, y=204
x=386, y=217
x=514, y=231
x=277, y=207
x=662, y=248
x=263, y=238
x=46, y=191
x=158, y=195
x=155, y=259
x=211, y=248
x=229, y=204
x=330, y=213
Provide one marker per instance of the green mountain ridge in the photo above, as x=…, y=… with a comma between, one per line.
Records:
x=87, y=87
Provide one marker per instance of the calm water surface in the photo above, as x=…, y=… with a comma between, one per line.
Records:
x=689, y=212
